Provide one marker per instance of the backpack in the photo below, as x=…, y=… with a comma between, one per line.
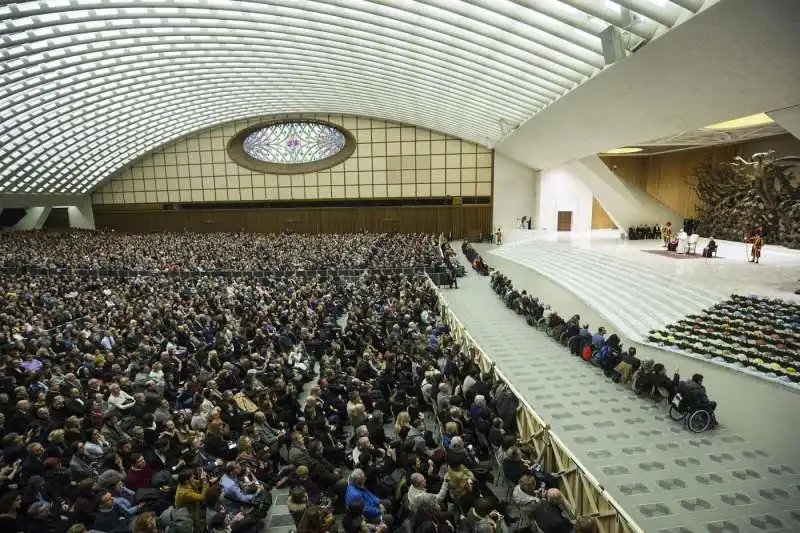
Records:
x=176, y=520
x=260, y=505
x=600, y=355
x=587, y=352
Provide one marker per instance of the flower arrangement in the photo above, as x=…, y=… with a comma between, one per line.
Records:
x=759, y=333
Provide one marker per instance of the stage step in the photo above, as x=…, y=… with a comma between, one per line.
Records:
x=634, y=298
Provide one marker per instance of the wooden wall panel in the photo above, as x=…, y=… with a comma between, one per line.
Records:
x=462, y=220
x=630, y=168
x=667, y=177
x=600, y=218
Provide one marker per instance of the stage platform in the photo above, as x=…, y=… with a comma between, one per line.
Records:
x=742, y=477
x=776, y=276
x=637, y=287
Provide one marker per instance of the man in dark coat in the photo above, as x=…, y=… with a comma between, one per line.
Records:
x=551, y=516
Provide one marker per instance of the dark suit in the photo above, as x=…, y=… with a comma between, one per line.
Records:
x=552, y=519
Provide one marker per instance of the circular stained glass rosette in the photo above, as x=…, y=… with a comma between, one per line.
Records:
x=294, y=143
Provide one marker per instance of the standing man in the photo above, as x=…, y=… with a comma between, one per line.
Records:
x=683, y=242
x=757, y=242
x=666, y=233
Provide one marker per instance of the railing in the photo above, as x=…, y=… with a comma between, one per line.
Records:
x=583, y=493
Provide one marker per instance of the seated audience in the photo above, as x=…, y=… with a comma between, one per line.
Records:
x=145, y=378
x=551, y=516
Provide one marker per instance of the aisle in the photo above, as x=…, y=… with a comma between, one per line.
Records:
x=746, y=473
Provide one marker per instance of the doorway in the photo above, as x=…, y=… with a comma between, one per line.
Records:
x=564, y=222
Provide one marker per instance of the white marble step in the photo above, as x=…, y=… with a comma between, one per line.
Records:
x=634, y=298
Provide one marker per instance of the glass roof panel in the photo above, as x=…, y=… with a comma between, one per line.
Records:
x=89, y=84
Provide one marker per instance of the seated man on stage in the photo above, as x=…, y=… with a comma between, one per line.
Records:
x=711, y=248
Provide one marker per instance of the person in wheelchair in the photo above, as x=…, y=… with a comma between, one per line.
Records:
x=695, y=397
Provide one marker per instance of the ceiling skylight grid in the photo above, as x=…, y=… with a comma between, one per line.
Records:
x=89, y=85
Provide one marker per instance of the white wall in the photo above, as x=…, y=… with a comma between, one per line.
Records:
x=561, y=190
x=736, y=58
x=514, y=192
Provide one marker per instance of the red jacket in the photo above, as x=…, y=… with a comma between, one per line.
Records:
x=140, y=479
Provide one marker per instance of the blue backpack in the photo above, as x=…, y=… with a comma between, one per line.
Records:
x=600, y=355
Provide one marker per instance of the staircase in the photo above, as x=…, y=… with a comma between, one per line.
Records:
x=634, y=298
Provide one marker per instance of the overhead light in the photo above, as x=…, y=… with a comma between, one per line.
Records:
x=759, y=119
x=624, y=150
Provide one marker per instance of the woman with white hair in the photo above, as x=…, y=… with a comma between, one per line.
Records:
x=480, y=414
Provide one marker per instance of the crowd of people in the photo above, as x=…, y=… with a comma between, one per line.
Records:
x=452, y=267
x=152, y=404
x=475, y=259
x=646, y=378
x=643, y=231
x=209, y=252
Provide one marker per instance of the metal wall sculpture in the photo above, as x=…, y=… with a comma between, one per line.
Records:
x=740, y=195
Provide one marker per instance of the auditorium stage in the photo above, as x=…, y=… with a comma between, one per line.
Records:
x=777, y=275
x=637, y=289
x=742, y=477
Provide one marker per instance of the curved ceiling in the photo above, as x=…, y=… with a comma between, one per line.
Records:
x=88, y=86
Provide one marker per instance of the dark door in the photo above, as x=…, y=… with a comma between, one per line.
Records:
x=564, y=221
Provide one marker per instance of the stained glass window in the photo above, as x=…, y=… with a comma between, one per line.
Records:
x=295, y=142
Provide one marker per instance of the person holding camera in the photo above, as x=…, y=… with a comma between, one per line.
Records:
x=193, y=485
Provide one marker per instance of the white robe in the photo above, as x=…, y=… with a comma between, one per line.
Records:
x=683, y=242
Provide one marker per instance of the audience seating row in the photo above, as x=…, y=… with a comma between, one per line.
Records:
x=622, y=366
x=475, y=259
x=582, y=493
x=605, y=280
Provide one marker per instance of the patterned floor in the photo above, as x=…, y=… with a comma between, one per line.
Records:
x=742, y=477
x=280, y=521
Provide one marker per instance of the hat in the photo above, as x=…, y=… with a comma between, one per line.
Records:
x=302, y=471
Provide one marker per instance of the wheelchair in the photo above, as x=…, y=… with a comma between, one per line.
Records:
x=697, y=420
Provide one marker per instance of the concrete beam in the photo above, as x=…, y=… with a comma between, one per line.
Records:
x=734, y=59
x=788, y=119
x=34, y=218
x=38, y=200
x=626, y=204
x=81, y=216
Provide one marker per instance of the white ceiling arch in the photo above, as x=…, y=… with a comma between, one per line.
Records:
x=89, y=85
